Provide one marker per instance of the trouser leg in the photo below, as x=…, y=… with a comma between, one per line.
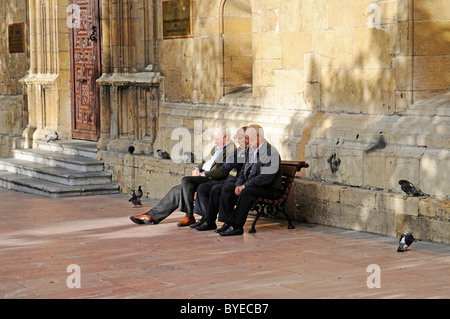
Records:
x=245, y=202
x=203, y=198
x=166, y=206
x=189, y=185
x=214, y=204
x=227, y=201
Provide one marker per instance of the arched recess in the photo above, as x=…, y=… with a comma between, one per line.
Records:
x=236, y=36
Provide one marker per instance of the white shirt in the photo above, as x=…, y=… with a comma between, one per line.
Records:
x=254, y=152
x=207, y=166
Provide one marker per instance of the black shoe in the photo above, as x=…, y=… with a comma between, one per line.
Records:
x=197, y=223
x=223, y=228
x=206, y=226
x=232, y=231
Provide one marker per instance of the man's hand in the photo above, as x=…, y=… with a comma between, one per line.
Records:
x=195, y=172
x=238, y=190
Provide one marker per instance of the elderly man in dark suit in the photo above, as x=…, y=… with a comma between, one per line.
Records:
x=260, y=177
x=181, y=197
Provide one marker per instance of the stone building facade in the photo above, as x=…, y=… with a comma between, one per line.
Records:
x=359, y=89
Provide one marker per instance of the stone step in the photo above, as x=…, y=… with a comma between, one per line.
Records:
x=61, y=168
x=72, y=147
x=41, y=187
x=74, y=162
x=54, y=174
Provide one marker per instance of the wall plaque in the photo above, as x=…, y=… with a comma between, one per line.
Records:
x=16, y=37
x=177, y=19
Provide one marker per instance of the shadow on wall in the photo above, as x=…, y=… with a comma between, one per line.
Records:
x=357, y=104
x=362, y=133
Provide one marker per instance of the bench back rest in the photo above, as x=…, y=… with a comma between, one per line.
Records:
x=288, y=171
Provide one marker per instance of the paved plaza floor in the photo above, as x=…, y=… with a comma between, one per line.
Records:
x=87, y=248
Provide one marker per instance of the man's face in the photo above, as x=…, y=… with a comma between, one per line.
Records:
x=241, y=138
x=219, y=139
x=252, y=136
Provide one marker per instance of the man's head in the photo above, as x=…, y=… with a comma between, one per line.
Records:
x=241, y=138
x=220, y=137
x=255, y=134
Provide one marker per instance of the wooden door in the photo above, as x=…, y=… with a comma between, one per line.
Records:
x=85, y=69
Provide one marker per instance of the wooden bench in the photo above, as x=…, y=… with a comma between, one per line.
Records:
x=271, y=207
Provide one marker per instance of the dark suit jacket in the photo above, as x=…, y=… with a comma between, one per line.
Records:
x=264, y=172
x=234, y=166
x=217, y=171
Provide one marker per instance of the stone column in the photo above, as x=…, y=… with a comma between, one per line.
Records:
x=130, y=81
x=45, y=83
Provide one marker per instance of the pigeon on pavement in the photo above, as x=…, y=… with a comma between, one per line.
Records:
x=405, y=241
x=135, y=200
x=139, y=193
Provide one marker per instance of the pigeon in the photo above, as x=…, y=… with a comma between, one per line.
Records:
x=131, y=149
x=139, y=193
x=409, y=188
x=405, y=241
x=163, y=154
x=53, y=137
x=189, y=157
x=135, y=200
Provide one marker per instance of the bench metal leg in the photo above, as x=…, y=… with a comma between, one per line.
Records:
x=290, y=225
x=253, y=230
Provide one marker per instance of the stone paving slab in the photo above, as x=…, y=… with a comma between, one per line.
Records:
x=40, y=237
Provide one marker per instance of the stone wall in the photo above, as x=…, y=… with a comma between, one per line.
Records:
x=371, y=211
x=11, y=123
x=431, y=47
x=13, y=67
x=156, y=176
x=377, y=151
x=361, y=56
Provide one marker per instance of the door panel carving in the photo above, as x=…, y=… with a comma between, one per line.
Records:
x=86, y=69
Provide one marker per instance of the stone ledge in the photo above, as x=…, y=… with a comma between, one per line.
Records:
x=155, y=175
x=379, y=212
x=130, y=79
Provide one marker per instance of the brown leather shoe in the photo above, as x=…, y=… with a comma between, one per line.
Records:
x=141, y=219
x=186, y=221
